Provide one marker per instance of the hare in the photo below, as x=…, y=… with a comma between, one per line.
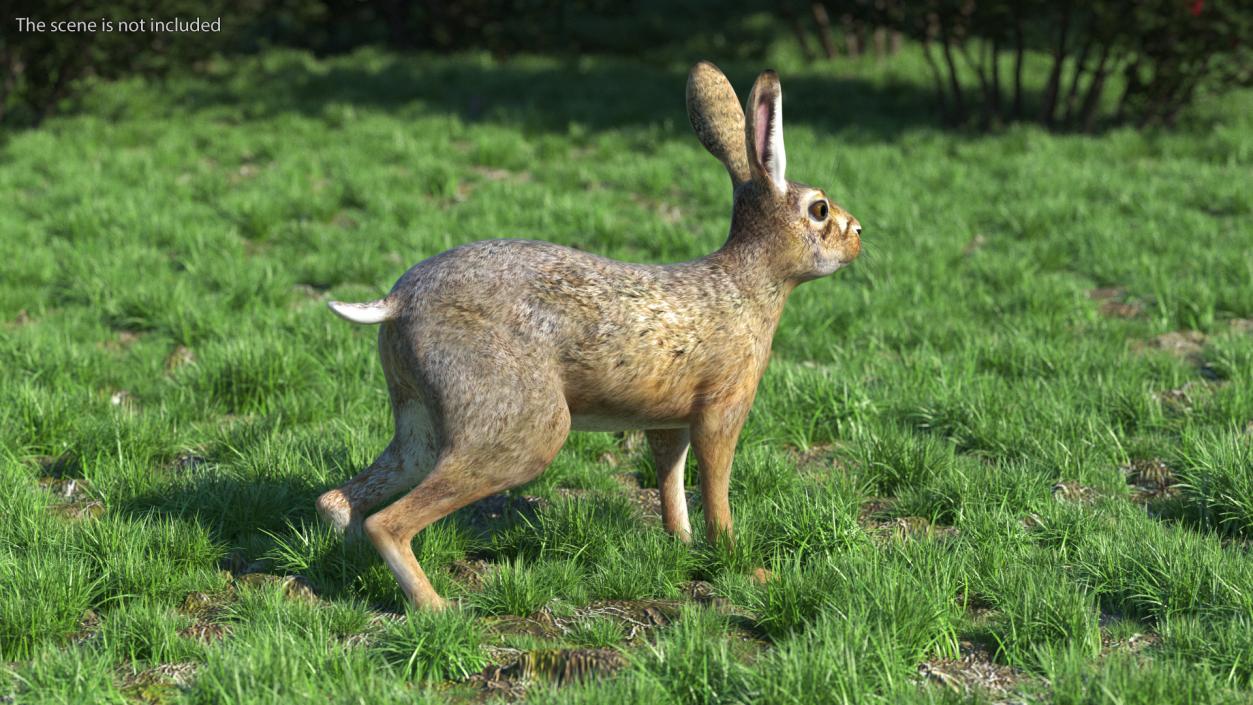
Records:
x=494, y=351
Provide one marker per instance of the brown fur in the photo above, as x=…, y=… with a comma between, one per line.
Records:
x=495, y=350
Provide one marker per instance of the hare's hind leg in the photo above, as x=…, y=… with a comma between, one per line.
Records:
x=670, y=457
x=409, y=457
x=495, y=442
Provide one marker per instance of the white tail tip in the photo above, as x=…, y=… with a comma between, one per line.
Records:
x=372, y=312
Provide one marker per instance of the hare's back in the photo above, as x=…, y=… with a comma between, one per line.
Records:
x=575, y=304
x=528, y=283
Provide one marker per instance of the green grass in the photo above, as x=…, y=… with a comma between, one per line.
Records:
x=941, y=460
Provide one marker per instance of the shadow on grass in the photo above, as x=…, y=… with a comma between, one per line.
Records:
x=269, y=524
x=543, y=96
x=234, y=510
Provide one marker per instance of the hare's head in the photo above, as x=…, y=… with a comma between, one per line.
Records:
x=804, y=233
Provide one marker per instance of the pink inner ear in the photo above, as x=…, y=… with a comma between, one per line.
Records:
x=761, y=128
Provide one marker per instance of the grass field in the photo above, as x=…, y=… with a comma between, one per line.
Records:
x=1006, y=456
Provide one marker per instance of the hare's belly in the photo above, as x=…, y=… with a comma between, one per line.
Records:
x=628, y=397
x=611, y=407
x=602, y=422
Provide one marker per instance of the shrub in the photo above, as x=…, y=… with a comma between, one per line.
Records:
x=1163, y=52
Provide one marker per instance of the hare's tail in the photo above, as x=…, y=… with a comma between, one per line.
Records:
x=372, y=312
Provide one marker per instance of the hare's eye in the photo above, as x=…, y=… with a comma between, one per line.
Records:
x=818, y=210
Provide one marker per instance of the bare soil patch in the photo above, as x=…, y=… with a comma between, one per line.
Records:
x=158, y=684
x=1115, y=302
x=72, y=494
x=1150, y=479
x=1075, y=492
x=974, y=671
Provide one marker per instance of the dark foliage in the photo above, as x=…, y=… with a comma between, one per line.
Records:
x=1162, y=51
x=41, y=69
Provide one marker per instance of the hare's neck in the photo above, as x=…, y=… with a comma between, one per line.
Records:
x=747, y=264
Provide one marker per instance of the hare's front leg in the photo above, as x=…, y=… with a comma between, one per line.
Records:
x=714, y=435
x=670, y=458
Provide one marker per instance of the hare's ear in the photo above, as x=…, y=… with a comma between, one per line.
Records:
x=717, y=118
x=766, y=158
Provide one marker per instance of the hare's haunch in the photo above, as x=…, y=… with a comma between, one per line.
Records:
x=495, y=350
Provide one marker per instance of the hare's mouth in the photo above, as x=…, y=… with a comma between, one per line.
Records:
x=853, y=248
